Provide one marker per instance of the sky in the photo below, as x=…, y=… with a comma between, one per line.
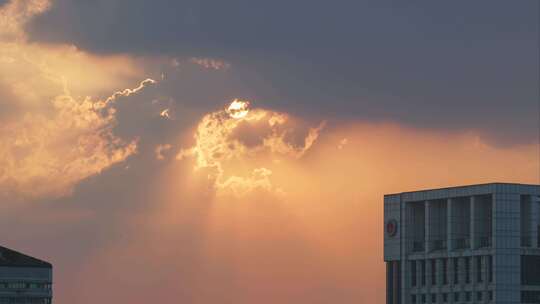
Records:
x=238, y=151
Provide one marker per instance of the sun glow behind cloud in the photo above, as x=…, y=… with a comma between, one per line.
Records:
x=279, y=209
x=314, y=231
x=230, y=143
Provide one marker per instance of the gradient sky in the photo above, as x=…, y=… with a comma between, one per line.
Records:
x=122, y=163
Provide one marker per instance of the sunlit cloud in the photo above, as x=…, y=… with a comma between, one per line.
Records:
x=53, y=134
x=238, y=109
x=165, y=114
x=128, y=92
x=239, y=137
x=47, y=154
x=160, y=150
x=16, y=13
x=210, y=63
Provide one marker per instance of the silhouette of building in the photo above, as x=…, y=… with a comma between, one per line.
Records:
x=469, y=244
x=24, y=279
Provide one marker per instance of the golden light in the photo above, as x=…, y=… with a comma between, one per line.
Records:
x=238, y=109
x=165, y=114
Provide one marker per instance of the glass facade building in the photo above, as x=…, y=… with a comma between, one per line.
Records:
x=24, y=279
x=469, y=244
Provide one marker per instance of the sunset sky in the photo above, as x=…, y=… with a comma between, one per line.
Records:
x=238, y=151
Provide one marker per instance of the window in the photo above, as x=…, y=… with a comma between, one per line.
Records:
x=479, y=296
x=423, y=298
x=423, y=264
x=456, y=296
x=529, y=270
x=433, y=272
x=530, y=297
x=456, y=271
x=479, y=269
x=444, y=271
x=445, y=297
x=490, y=268
x=413, y=299
x=413, y=273
x=390, y=282
x=467, y=270
x=468, y=296
x=433, y=298
x=490, y=295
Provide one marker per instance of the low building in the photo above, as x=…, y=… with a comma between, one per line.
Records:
x=24, y=279
x=470, y=244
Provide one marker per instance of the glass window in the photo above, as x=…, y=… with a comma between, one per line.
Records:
x=490, y=268
x=456, y=271
x=423, y=264
x=413, y=299
x=445, y=297
x=467, y=270
x=433, y=272
x=530, y=296
x=445, y=271
x=479, y=269
x=433, y=298
x=468, y=296
x=529, y=270
x=456, y=296
x=538, y=241
x=413, y=273
x=479, y=296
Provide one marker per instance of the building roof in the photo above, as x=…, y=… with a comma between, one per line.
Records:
x=462, y=187
x=12, y=258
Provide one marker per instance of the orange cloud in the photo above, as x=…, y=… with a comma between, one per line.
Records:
x=51, y=137
x=16, y=13
x=160, y=150
x=46, y=154
x=229, y=138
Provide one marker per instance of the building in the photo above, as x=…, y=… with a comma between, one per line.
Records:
x=470, y=244
x=24, y=279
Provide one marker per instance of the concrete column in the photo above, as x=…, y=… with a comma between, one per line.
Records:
x=472, y=235
x=450, y=235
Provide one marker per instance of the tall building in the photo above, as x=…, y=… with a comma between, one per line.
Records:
x=24, y=279
x=470, y=244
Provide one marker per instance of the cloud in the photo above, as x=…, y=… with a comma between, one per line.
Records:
x=53, y=134
x=232, y=137
x=47, y=154
x=16, y=14
x=211, y=63
x=401, y=65
x=160, y=149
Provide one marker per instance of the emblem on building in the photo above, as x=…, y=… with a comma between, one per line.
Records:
x=391, y=227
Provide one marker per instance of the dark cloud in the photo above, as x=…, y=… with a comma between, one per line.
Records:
x=452, y=65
